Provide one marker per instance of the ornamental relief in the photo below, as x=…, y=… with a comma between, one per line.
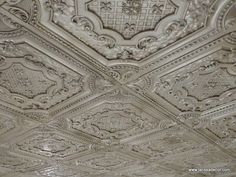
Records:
x=124, y=72
x=12, y=124
x=82, y=21
x=114, y=116
x=103, y=162
x=18, y=163
x=221, y=130
x=6, y=125
x=201, y=85
x=25, y=78
x=128, y=17
x=145, y=169
x=32, y=80
x=230, y=20
x=7, y=25
x=139, y=115
x=60, y=171
x=175, y=140
x=113, y=121
x=203, y=157
x=20, y=9
x=226, y=18
x=48, y=143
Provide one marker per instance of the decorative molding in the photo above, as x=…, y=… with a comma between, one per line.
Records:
x=112, y=116
x=110, y=48
x=202, y=157
x=46, y=142
x=226, y=18
x=124, y=17
x=171, y=141
x=103, y=162
x=201, y=85
x=18, y=163
x=6, y=125
x=58, y=170
x=113, y=121
x=223, y=131
x=121, y=88
x=33, y=72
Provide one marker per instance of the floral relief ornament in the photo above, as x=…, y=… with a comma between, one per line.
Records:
x=202, y=85
x=106, y=6
x=64, y=12
x=112, y=121
x=132, y=7
x=30, y=70
x=49, y=143
x=224, y=130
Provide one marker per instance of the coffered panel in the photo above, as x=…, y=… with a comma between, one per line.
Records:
x=120, y=30
x=36, y=80
x=117, y=88
x=10, y=125
x=181, y=150
x=220, y=129
x=14, y=163
x=202, y=84
x=32, y=80
x=58, y=170
x=200, y=159
x=44, y=142
x=223, y=132
x=114, y=116
x=151, y=170
x=104, y=162
x=166, y=142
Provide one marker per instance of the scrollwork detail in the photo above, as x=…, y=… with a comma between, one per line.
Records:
x=194, y=19
x=23, y=15
x=13, y=2
x=204, y=86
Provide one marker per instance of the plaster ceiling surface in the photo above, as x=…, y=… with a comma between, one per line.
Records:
x=117, y=88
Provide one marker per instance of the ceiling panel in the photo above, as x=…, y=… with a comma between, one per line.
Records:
x=117, y=88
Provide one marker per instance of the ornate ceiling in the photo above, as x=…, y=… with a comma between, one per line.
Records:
x=117, y=88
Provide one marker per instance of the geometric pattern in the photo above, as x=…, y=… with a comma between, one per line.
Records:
x=128, y=21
